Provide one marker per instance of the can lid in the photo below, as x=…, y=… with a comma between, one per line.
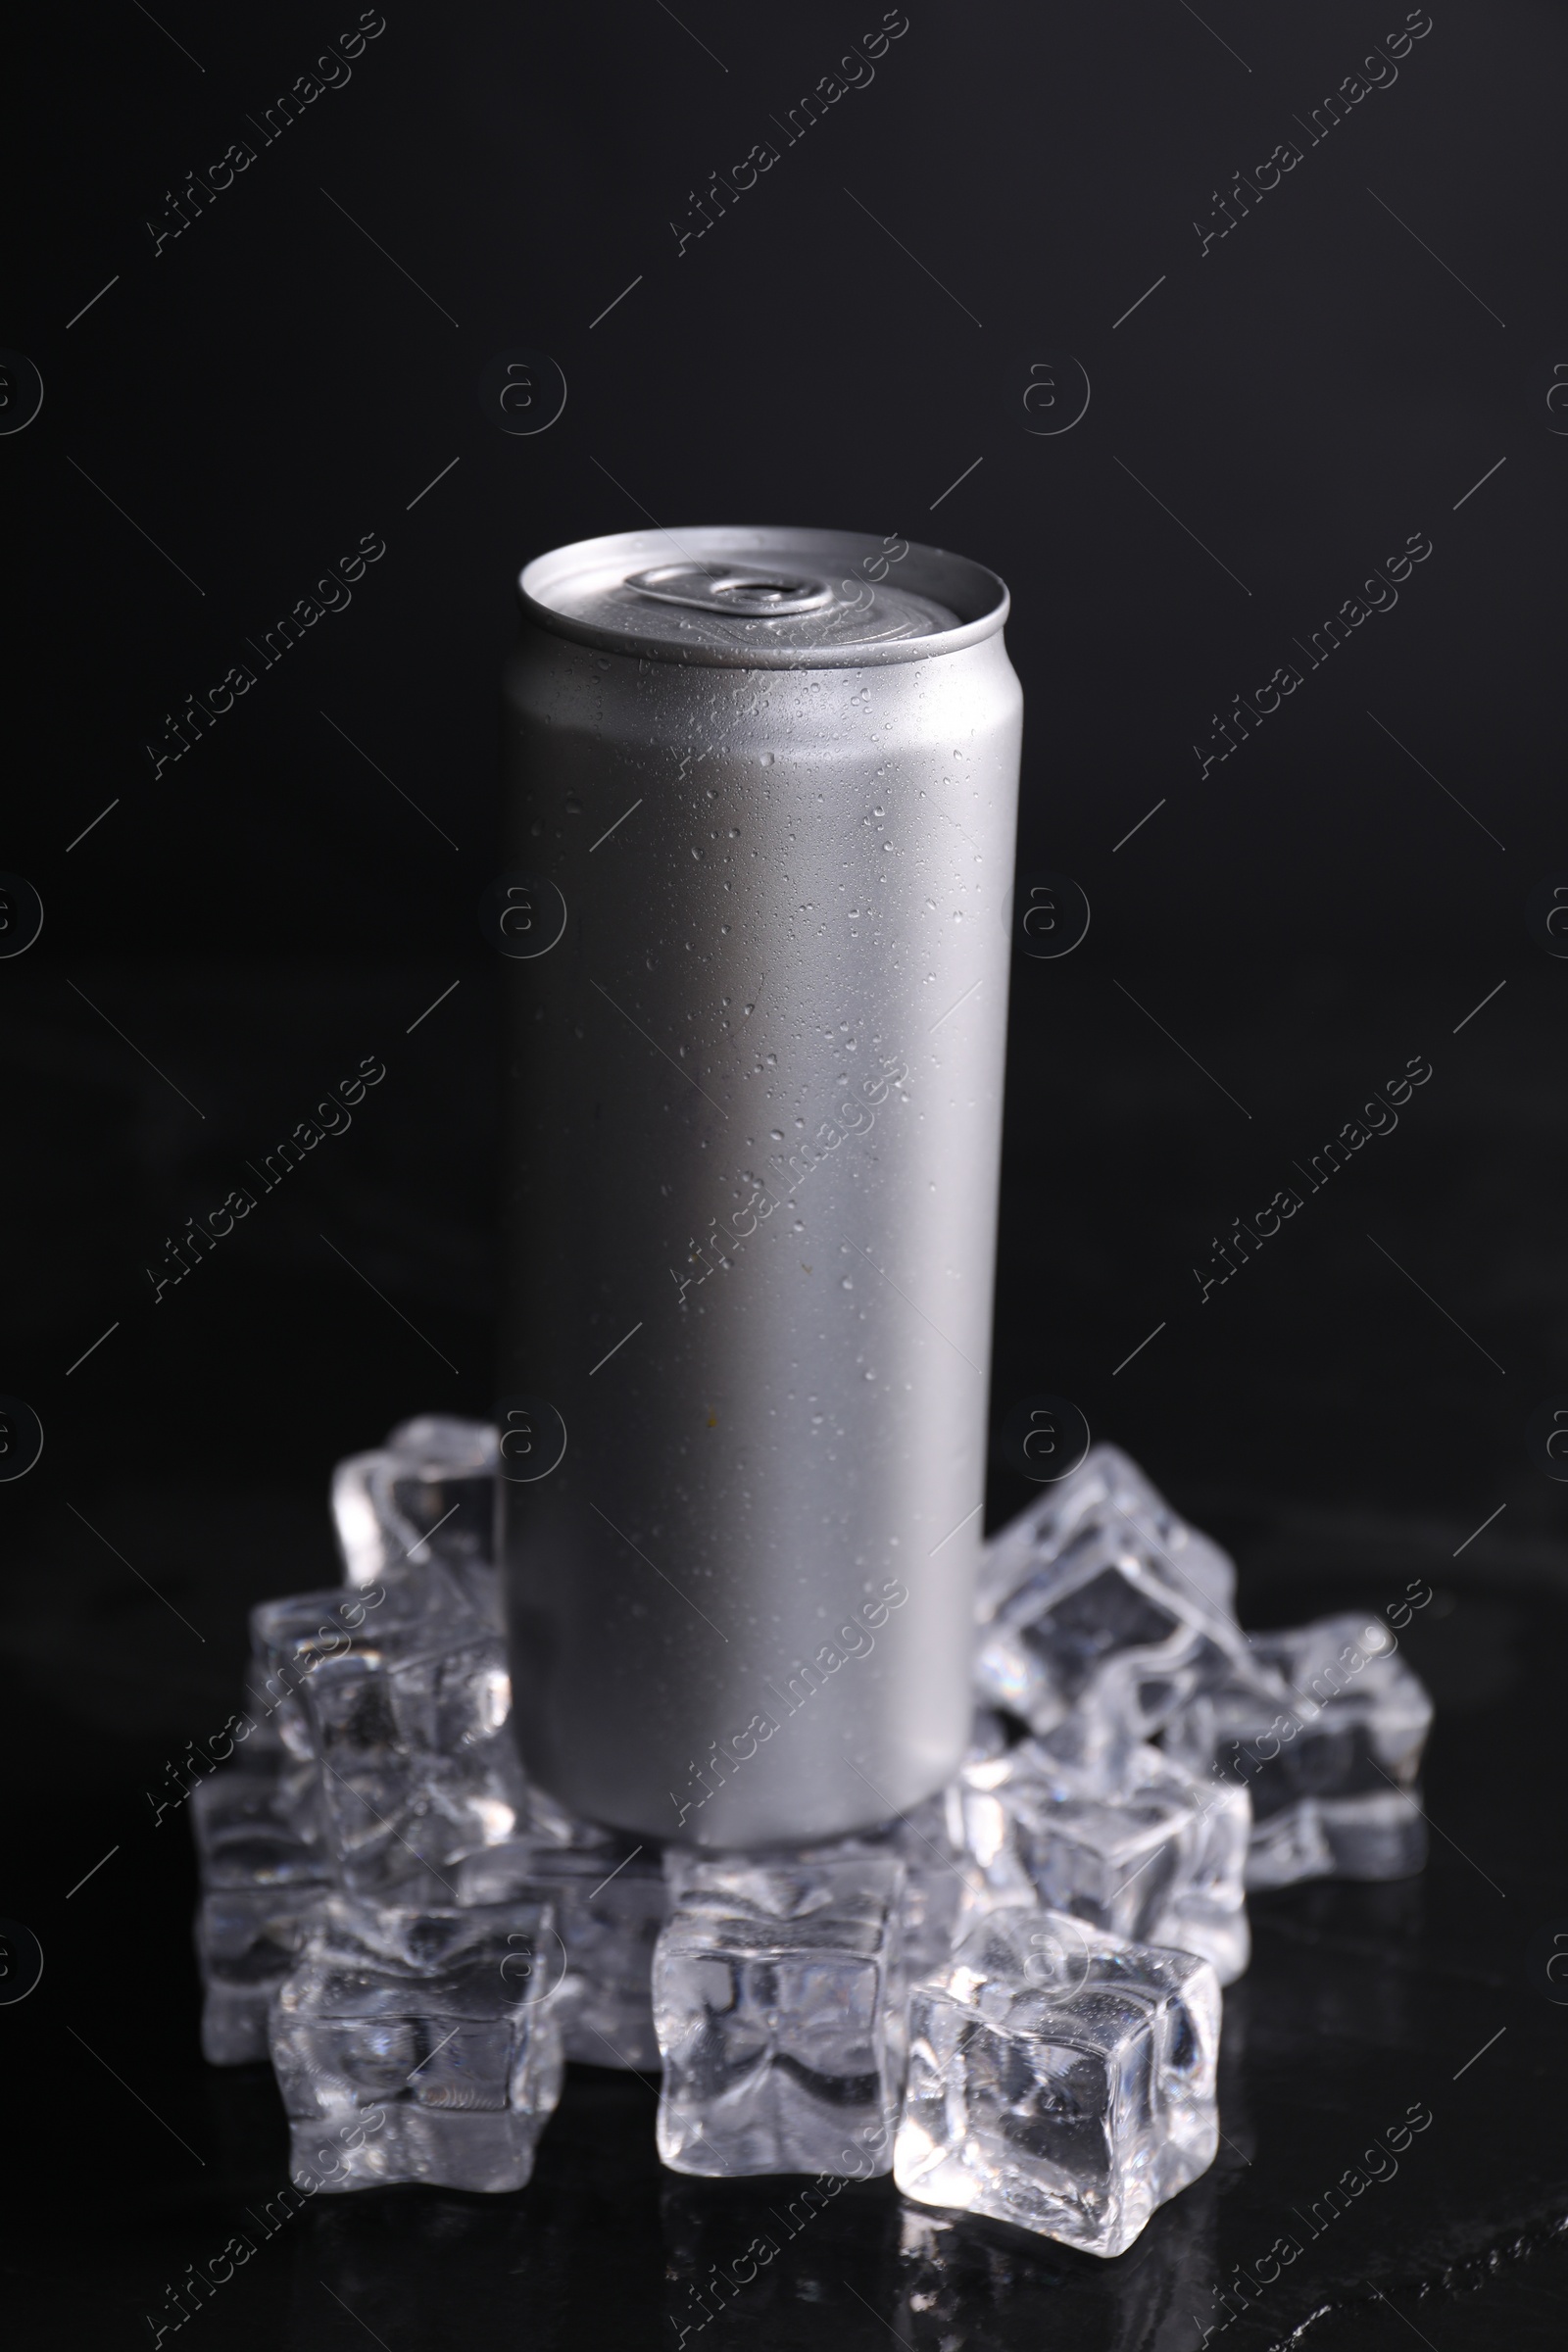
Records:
x=738, y=598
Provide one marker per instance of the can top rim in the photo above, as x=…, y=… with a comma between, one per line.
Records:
x=976, y=595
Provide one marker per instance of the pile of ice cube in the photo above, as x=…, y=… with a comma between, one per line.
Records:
x=1010, y=1998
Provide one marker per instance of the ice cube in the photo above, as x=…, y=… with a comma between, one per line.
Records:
x=1106, y=1484
x=1207, y=1914
x=290, y=1638
x=1060, y=2079
x=418, y=1762
x=1102, y=1623
x=1145, y=1850
x=261, y=1710
x=429, y=1493
x=610, y=1901
x=418, y=2045
x=944, y=1892
x=260, y=1878
x=1327, y=1732
x=397, y=1695
x=778, y=2001
x=252, y=1825
x=247, y=1939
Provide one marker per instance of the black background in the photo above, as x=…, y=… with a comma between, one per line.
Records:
x=1280, y=937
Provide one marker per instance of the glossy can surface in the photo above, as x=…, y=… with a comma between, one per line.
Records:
x=761, y=804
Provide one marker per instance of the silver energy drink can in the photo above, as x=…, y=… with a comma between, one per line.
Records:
x=760, y=805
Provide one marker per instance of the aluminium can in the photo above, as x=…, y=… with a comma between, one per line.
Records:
x=760, y=800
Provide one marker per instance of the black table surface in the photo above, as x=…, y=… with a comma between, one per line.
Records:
x=1365, y=2005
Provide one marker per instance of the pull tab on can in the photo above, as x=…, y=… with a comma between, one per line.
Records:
x=732, y=588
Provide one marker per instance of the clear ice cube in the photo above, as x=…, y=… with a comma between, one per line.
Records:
x=418, y=1762
x=290, y=1638
x=428, y=1493
x=778, y=2004
x=944, y=1892
x=1106, y=1484
x=610, y=1901
x=1327, y=1732
x=260, y=1878
x=398, y=1697
x=1102, y=1625
x=247, y=1939
x=252, y=1826
x=1141, y=1849
x=1059, y=2080
x=418, y=2045
x=971, y=2283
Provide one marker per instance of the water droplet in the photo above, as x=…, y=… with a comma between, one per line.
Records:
x=847, y=1284
x=776, y=1133
x=767, y=760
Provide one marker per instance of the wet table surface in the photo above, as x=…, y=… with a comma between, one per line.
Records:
x=1365, y=2007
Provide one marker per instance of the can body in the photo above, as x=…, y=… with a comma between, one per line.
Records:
x=753, y=1100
